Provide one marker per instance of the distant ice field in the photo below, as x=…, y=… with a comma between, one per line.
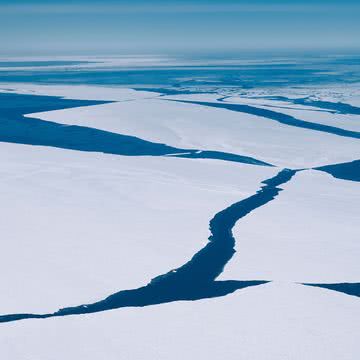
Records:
x=244, y=72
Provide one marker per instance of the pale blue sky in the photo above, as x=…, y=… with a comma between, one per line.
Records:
x=118, y=27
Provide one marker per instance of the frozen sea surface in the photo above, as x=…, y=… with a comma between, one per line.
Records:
x=251, y=217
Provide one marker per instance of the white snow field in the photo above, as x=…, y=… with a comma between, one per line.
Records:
x=309, y=233
x=273, y=321
x=79, y=226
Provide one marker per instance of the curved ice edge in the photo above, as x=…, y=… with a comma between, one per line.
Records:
x=345, y=171
x=218, y=155
x=352, y=289
x=194, y=280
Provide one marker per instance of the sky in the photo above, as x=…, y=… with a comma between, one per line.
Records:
x=108, y=27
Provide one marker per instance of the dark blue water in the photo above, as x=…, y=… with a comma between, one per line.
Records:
x=15, y=128
x=333, y=107
x=345, y=171
x=346, y=288
x=197, y=278
x=14, y=105
x=276, y=116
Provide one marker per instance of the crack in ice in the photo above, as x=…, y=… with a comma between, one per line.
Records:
x=196, y=279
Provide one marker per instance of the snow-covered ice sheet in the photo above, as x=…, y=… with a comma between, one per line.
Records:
x=78, y=226
x=309, y=234
x=80, y=92
x=273, y=321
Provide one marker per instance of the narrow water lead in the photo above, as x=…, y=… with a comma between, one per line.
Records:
x=276, y=116
x=15, y=128
x=352, y=289
x=330, y=106
x=196, y=279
